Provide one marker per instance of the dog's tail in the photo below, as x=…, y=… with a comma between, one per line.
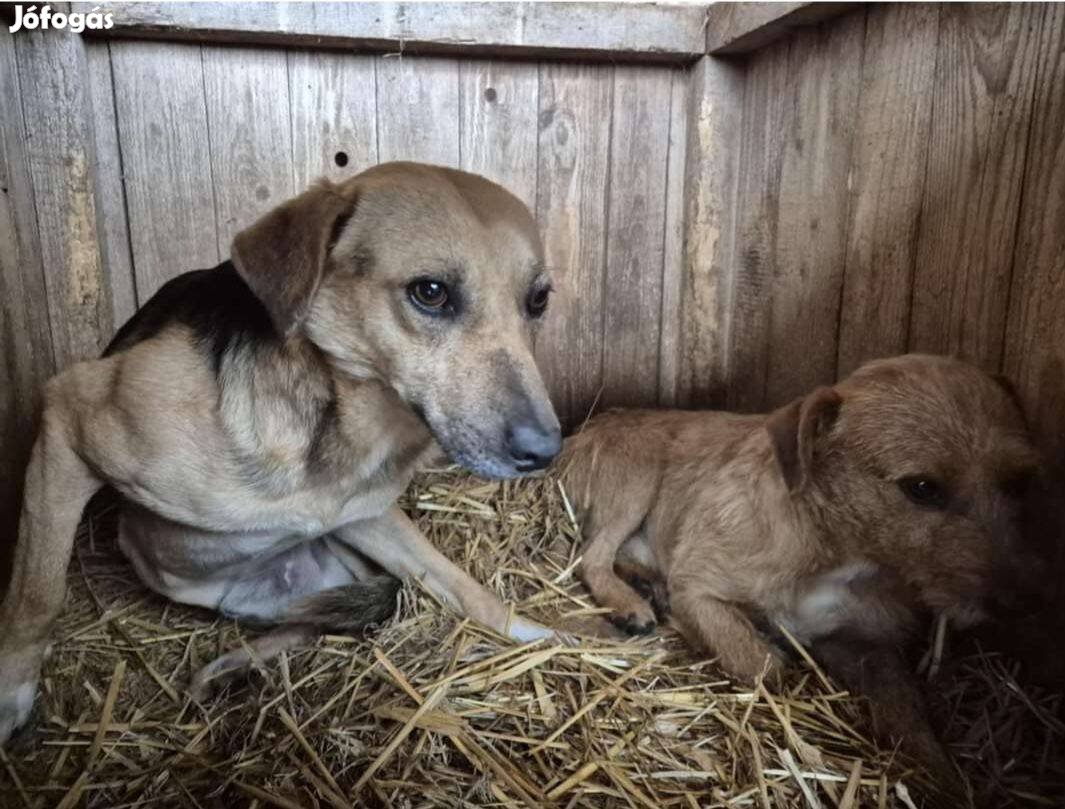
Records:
x=351, y=608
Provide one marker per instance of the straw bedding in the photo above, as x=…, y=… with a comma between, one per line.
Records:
x=433, y=711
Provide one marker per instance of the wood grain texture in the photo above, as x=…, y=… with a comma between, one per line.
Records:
x=635, y=249
x=886, y=179
x=162, y=126
x=1035, y=342
x=571, y=207
x=250, y=134
x=712, y=169
x=57, y=110
x=799, y=112
x=764, y=120
x=810, y=252
x=418, y=109
x=498, y=123
x=669, y=340
x=649, y=31
x=984, y=84
x=25, y=337
x=334, y=112
x=735, y=28
x=110, y=189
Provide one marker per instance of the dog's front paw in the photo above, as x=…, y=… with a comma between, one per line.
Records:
x=15, y=706
x=19, y=673
x=522, y=630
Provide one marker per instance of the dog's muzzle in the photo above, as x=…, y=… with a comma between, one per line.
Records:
x=532, y=446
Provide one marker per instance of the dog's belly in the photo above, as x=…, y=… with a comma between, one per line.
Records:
x=249, y=575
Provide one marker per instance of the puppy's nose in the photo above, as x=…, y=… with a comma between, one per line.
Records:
x=533, y=446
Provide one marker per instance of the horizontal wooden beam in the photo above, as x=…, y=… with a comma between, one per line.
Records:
x=735, y=28
x=586, y=30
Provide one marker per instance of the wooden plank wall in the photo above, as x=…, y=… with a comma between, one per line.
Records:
x=208, y=137
x=901, y=187
x=731, y=233
x=900, y=179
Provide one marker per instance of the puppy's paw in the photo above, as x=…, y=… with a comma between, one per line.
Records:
x=638, y=621
x=15, y=707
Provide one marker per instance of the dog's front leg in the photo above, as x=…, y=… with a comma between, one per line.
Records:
x=896, y=702
x=395, y=543
x=58, y=485
x=724, y=630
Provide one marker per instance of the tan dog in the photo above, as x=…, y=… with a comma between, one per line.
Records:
x=261, y=418
x=841, y=517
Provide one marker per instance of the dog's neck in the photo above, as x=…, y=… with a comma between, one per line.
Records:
x=307, y=421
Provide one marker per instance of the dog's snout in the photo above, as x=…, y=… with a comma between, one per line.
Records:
x=532, y=445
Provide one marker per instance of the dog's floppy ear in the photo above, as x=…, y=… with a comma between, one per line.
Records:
x=794, y=430
x=283, y=256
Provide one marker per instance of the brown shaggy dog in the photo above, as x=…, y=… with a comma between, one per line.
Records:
x=842, y=517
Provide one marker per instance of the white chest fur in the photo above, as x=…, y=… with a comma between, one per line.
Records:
x=851, y=596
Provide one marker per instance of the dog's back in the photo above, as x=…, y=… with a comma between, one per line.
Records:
x=620, y=457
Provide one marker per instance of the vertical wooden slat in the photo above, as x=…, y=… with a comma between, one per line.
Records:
x=669, y=339
x=982, y=101
x=710, y=188
x=418, y=109
x=886, y=180
x=162, y=126
x=763, y=121
x=810, y=252
x=799, y=112
x=1035, y=340
x=574, y=136
x=498, y=121
x=110, y=191
x=334, y=112
x=26, y=359
x=57, y=110
x=250, y=133
x=632, y=303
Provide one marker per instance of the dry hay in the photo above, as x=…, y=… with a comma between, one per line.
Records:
x=433, y=711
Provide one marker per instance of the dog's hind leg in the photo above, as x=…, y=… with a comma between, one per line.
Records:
x=608, y=533
x=299, y=590
x=350, y=608
x=58, y=485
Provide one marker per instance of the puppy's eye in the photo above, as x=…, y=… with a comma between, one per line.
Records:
x=537, y=301
x=924, y=491
x=429, y=295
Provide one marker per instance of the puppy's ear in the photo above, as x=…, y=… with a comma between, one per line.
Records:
x=283, y=256
x=794, y=430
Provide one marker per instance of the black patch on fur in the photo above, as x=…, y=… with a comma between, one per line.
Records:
x=220, y=309
x=324, y=428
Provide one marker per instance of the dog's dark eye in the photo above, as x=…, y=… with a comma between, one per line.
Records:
x=924, y=491
x=537, y=302
x=430, y=295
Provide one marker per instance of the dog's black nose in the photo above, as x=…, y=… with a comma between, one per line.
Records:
x=532, y=446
